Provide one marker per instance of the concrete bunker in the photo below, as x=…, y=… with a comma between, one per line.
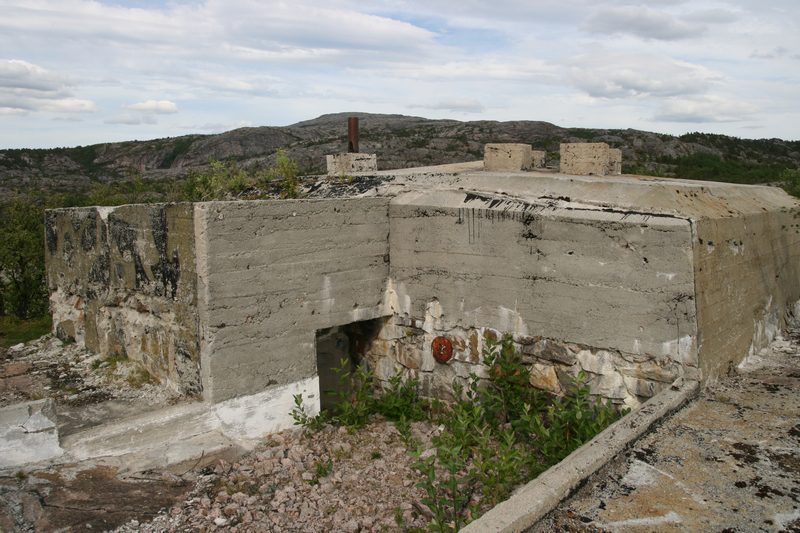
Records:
x=636, y=281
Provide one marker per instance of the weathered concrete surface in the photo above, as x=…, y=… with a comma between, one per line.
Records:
x=752, y=260
x=122, y=281
x=618, y=286
x=623, y=277
x=590, y=158
x=185, y=432
x=28, y=433
x=727, y=462
x=511, y=157
x=533, y=501
x=351, y=163
x=271, y=273
x=747, y=279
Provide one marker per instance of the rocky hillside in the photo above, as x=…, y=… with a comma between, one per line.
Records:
x=399, y=141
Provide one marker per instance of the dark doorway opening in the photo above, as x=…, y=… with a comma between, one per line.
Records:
x=342, y=347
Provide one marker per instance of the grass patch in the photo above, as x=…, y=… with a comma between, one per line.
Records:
x=110, y=363
x=140, y=377
x=14, y=331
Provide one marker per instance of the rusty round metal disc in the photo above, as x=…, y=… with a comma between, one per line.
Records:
x=442, y=349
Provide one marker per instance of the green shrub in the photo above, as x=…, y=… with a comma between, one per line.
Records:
x=790, y=181
x=354, y=401
x=285, y=170
x=497, y=433
x=23, y=292
x=400, y=400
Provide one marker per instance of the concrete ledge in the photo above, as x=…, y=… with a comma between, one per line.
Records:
x=183, y=432
x=531, y=502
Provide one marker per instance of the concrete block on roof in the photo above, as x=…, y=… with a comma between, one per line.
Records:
x=507, y=157
x=349, y=163
x=538, y=158
x=585, y=159
x=614, y=162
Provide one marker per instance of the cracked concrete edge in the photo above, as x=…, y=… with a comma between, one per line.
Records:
x=531, y=502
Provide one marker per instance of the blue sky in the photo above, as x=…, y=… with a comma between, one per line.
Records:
x=76, y=72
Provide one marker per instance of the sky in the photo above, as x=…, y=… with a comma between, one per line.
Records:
x=79, y=72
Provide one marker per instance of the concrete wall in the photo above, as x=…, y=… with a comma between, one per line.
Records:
x=271, y=273
x=747, y=274
x=122, y=281
x=633, y=280
x=612, y=293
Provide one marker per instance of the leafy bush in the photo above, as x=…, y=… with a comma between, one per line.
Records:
x=214, y=182
x=400, y=400
x=497, y=434
x=790, y=181
x=355, y=403
x=285, y=170
x=23, y=292
x=502, y=434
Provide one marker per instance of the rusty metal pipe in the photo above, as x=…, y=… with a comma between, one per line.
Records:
x=352, y=134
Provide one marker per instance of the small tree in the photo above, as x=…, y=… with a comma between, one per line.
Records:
x=286, y=169
x=22, y=281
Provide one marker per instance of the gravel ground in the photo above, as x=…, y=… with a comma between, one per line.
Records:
x=331, y=480
x=73, y=376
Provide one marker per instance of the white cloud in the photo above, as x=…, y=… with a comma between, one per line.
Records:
x=621, y=62
x=12, y=111
x=713, y=16
x=643, y=23
x=456, y=105
x=705, y=109
x=26, y=87
x=488, y=68
x=605, y=74
x=131, y=119
x=776, y=53
x=160, y=107
x=67, y=105
x=21, y=75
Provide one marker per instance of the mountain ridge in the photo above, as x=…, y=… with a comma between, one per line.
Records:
x=399, y=140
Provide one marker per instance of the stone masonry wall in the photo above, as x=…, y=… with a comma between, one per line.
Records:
x=272, y=273
x=609, y=293
x=122, y=281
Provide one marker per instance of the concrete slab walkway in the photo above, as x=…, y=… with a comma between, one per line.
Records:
x=729, y=461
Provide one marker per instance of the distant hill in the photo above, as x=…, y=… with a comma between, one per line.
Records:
x=400, y=141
